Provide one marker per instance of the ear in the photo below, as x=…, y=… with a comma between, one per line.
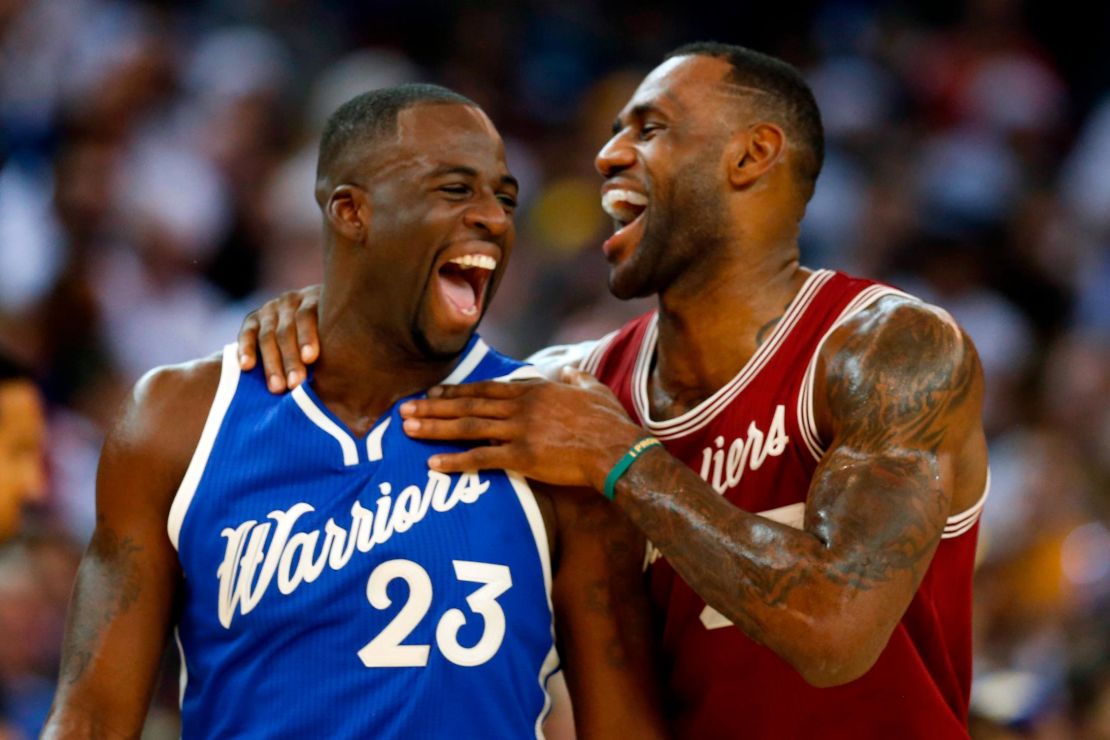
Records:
x=348, y=211
x=753, y=152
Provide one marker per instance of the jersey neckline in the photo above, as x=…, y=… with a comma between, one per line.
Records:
x=317, y=412
x=701, y=414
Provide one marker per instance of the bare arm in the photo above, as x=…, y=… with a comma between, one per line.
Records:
x=899, y=397
x=902, y=392
x=603, y=619
x=123, y=602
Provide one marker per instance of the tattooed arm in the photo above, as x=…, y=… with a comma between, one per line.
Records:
x=898, y=394
x=602, y=617
x=122, y=604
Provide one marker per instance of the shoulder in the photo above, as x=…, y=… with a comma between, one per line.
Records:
x=162, y=418
x=896, y=329
x=901, y=355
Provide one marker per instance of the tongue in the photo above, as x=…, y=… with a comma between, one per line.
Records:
x=458, y=290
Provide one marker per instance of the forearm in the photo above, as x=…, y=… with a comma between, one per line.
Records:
x=784, y=587
x=74, y=721
x=115, y=632
x=603, y=620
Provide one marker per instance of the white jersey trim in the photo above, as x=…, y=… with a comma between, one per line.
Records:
x=532, y=513
x=524, y=372
x=807, y=420
x=707, y=410
x=320, y=419
x=527, y=499
x=225, y=391
x=183, y=676
x=960, y=523
x=593, y=359
x=374, y=440
x=466, y=366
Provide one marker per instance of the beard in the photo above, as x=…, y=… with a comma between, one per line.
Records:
x=680, y=229
x=439, y=349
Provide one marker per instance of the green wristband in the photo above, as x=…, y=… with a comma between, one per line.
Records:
x=623, y=464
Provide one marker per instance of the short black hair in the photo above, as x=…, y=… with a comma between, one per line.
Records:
x=367, y=117
x=11, y=370
x=792, y=98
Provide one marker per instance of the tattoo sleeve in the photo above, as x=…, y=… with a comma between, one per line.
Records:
x=110, y=580
x=897, y=390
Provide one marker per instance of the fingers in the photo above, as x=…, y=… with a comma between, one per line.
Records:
x=271, y=355
x=307, y=319
x=248, y=337
x=487, y=389
x=455, y=408
x=477, y=458
x=293, y=368
x=469, y=428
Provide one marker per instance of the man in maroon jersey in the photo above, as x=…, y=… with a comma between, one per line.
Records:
x=814, y=505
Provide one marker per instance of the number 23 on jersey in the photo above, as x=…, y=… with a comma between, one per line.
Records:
x=387, y=651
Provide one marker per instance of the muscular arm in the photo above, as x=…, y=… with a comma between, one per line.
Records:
x=123, y=601
x=900, y=394
x=602, y=619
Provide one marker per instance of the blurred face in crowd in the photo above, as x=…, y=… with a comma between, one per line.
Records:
x=22, y=444
x=441, y=225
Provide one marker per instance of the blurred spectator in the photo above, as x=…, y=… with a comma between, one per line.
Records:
x=22, y=448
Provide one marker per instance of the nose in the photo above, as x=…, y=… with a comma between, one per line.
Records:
x=615, y=156
x=489, y=215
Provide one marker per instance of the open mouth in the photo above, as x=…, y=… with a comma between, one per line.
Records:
x=463, y=281
x=626, y=208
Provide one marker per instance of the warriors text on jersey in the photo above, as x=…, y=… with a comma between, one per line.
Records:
x=756, y=443
x=336, y=587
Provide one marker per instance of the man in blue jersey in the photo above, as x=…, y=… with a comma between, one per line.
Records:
x=321, y=581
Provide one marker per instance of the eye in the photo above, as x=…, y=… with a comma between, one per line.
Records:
x=458, y=189
x=648, y=131
x=507, y=200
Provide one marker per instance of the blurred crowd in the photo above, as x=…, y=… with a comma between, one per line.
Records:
x=156, y=175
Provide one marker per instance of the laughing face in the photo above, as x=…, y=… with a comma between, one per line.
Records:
x=441, y=226
x=664, y=177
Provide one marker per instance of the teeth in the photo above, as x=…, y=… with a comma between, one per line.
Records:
x=482, y=261
x=616, y=203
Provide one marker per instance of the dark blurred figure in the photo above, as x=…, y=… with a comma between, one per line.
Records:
x=22, y=446
x=28, y=624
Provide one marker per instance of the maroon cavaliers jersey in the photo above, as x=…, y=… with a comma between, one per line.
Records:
x=756, y=443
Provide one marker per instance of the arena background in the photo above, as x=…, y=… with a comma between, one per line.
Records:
x=156, y=183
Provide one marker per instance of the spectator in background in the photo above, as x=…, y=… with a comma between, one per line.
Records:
x=22, y=444
x=25, y=612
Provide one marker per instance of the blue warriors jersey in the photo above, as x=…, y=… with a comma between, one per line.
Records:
x=336, y=587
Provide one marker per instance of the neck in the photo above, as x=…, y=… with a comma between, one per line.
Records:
x=710, y=324
x=364, y=367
